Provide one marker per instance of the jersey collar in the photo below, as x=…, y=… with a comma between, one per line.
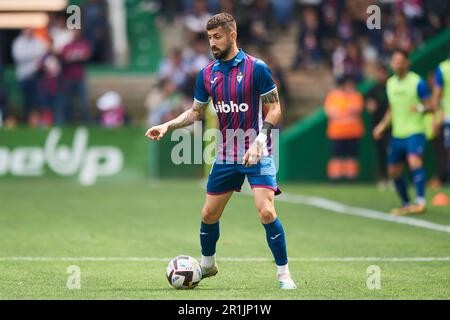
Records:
x=406, y=75
x=219, y=65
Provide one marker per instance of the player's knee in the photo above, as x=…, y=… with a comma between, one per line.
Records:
x=266, y=214
x=394, y=171
x=209, y=216
x=415, y=162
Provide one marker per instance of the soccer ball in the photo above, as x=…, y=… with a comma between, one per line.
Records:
x=184, y=272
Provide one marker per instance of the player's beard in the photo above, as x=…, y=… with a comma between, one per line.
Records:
x=221, y=54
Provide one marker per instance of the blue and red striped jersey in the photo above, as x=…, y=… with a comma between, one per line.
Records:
x=236, y=87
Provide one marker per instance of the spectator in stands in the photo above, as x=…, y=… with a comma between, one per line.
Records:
x=343, y=107
x=239, y=10
x=112, y=111
x=411, y=9
x=337, y=60
x=353, y=63
x=195, y=21
x=345, y=28
x=261, y=19
x=52, y=91
x=59, y=33
x=27, y=52
x=95, y=30
x=309, y=51
x=279, y=78
x=377, y=105
x=74, y=57
x=164, y=102
x=400, y=35
x=283, y=11
x=174, y=69
x=212, y=5
x=196, y=58
x=329, y=20
x=228, y=7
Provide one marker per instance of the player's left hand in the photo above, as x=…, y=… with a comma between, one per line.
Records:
x=417, y=108
x=253, y=154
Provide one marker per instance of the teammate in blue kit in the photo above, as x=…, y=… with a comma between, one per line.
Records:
x=246, y=101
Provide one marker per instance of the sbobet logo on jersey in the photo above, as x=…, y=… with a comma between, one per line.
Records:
x=231, y=107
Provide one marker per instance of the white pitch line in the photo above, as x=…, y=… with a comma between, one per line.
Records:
x=360, y=212
x=235, y=259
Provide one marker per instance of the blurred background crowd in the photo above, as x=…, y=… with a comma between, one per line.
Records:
x=329, y=37
x=313, y=48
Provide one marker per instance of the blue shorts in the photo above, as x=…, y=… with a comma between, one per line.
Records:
x=400, y=148
x=225, y=177
x=447, y=135
x=343, y=148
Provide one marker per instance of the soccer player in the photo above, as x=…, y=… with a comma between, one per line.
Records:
x=441, y=99
x=409, y=99
x=240, y=86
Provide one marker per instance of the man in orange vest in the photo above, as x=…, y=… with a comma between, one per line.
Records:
x=343, y=107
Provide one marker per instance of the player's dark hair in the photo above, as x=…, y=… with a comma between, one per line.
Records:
x=224, y=20
x=404, y=53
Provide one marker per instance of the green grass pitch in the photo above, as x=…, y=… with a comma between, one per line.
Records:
x=47, y=218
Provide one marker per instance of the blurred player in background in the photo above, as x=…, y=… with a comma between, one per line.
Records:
x=441, y=102
x=409, y=99
x=240, y=86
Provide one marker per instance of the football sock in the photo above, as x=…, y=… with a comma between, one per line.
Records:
x=284, y=269
x=277, y=241
x=400, y=186
x=209, y=234
x=208, y=261
x=419, y=183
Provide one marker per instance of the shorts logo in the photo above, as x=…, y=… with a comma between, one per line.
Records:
x=232, y=107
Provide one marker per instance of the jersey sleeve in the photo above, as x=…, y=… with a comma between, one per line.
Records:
x=200, y=94
x=438, y=78
x=422, y=90
x=263, y=78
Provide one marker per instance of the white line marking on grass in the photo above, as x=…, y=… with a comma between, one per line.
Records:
x=360, y=212
x=243, y=259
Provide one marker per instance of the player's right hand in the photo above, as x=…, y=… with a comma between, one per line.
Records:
x=156, y=132
x=378, y=132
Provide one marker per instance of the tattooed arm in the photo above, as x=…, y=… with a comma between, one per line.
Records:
x=272, y=103
x=183, y=120
x=189, y=116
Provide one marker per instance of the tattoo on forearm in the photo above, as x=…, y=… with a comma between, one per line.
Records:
x=183, y=120
x=198, y=106
x=271, y=97
x=188, y=117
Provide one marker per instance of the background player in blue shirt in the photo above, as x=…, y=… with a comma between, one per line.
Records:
x=241, y=88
